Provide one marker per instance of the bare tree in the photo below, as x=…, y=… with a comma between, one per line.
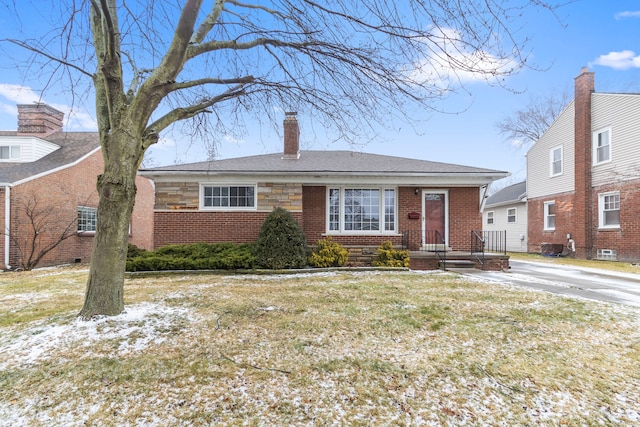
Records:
x=41, y=229
x=351, y=62
x=525, y=126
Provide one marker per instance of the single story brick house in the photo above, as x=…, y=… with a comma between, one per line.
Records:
x=48, y=192
x=358, y=199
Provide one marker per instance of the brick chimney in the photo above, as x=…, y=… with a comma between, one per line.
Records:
x=291, y=136
x=584, y=226
x=39, y=120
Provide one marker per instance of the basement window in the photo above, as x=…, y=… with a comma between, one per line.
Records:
x=607, y=254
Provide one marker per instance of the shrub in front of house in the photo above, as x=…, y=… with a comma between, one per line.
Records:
x=196, y=256
x=388, y=256
x=281, y=242
x=328, y=253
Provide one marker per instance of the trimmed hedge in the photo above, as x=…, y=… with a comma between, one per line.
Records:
x=197, y=256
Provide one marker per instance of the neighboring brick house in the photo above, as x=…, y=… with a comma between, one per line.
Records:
x=507, y=210
x=583, y=176
x=48, y=183
x=359, y=199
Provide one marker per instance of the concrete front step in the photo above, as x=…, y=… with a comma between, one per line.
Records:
x=458, y=263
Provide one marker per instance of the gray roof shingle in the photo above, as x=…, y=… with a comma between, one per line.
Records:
x=338, y=162
x=73, y=146
x=511, y=194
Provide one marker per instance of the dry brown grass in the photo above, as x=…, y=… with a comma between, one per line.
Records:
x=340, y=348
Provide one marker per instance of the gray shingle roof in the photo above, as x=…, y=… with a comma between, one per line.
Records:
x=328, y=162
x=511, y=194
x=73, y=146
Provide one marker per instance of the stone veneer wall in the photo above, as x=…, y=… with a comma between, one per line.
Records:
x=186, y=196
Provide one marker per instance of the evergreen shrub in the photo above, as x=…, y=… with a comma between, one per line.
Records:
x=328, y=254
x=388, y=256
x=196, y=256
x=281, y=242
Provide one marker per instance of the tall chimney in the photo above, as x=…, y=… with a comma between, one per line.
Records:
x=583, y=146
x=291, y=136
x=39, y=120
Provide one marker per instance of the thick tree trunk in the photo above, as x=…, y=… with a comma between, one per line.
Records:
x=116, y=188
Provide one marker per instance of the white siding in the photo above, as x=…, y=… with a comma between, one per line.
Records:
x=539, y=180
x=31, y=148
x=514, y=230
x=620, y=113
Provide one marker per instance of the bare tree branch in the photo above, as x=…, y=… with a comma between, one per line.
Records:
x=25, y=45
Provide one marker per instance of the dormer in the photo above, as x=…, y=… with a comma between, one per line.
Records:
x=23, y=149
x=35, y=123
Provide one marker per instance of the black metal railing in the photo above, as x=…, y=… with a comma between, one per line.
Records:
x=429, y=240
x=488, y=241
x=477, y=246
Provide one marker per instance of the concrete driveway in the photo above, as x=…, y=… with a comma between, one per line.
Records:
x=589, y=283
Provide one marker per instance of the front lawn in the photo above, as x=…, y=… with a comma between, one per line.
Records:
x=342, y=348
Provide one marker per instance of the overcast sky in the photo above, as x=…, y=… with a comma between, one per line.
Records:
x=601, y=35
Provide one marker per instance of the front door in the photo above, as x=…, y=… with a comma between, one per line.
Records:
x=434, y=217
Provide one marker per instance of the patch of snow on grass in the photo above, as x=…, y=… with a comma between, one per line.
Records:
x=136, y=328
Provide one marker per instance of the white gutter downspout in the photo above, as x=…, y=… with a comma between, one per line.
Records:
x=7, y=225
x=483, y=195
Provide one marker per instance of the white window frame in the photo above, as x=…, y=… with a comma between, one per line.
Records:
x=602, y=208
x=89, y=214
x=229, y=186
x=341, y=211
x=491, y=217
x=547, y=215
x=595, y=142
x=515, y=215
x=15, y=153
x=552, y=161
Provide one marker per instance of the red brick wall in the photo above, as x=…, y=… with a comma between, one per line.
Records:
x=464, y=216
x=60, y=193
x=2, y=225
x=244, y=227
x=583, y=230
x=314, y=200
x=625, y=240
x=182, y=227
x=565, y=221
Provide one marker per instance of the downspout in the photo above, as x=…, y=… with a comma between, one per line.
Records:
x=7, y=225
x=483, y=195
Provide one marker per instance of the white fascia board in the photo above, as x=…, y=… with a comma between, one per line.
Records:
x=452, y=179
x=58, y=169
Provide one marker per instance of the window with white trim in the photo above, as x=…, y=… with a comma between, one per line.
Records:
x=601, y=146
x=511, y=215
x=10, y=152
x=556, y=161
x=87, y=219
x=361, y=210
x=609, y=210
x=550, y=215
x=227, y=196
x=490, y=216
